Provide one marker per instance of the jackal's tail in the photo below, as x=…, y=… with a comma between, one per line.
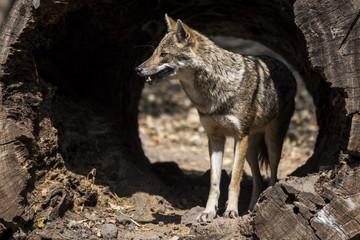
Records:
x=263, y=154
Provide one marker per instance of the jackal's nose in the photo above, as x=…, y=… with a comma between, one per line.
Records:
x=138, y=69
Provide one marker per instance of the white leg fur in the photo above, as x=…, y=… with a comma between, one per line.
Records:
x=216, y=150
x=236, y=175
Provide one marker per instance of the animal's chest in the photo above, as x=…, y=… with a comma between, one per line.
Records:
x=229, y=125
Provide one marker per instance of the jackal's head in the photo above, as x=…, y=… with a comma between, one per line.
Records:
x=174, y=53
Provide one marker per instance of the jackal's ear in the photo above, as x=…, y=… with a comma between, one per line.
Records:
x=183, y=32
x=171, y=24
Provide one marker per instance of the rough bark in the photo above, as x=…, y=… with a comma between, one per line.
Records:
x=69, y=97
x=55, y=112
x=320, y=206
x=16, y=121
x=331, y=31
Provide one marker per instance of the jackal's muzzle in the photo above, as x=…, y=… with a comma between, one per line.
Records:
x=156, y=75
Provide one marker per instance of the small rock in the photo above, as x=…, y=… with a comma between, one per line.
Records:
x=131, y=227
x=148, y=236
x=123, y=220
x=168, y=206
x=189, y=218
x=174, y=238
x=92, y=217
x=109, y=231
x=161, y=223
x=72, y=224
x=161, y=210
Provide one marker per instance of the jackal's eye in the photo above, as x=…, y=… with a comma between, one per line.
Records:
x=163, y=54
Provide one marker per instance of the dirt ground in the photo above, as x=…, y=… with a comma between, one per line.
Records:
x=176, y=145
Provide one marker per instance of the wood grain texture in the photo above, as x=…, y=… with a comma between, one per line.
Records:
x=354, y=140
x=331, y=29
x=24, y=129
x=13, y=174
x=320, y=206
x=17, y=18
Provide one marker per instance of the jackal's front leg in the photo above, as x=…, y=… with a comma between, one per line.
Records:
x=236, y=174
x=216, y=150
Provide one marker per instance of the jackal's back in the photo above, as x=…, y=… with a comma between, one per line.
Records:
x=254, y=89
x=271, y=88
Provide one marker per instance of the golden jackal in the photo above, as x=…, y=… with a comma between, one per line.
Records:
x=250, y=98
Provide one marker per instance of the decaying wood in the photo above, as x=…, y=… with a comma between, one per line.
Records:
x=320, y=206
x=69, y=95
x=354, y=141
x=13, y=153
x=29, y=141
x=331, y=29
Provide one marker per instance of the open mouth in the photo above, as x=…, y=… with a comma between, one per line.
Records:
x=154, y=78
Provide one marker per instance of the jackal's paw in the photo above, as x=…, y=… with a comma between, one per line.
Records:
x=231, y=214
x=206, y=217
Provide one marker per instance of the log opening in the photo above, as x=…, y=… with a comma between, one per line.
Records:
x=94, y=52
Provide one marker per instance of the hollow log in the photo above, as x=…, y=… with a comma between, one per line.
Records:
x=69, y=99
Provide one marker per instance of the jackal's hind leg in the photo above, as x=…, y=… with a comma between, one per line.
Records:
x=274, y=137
x=216, y=150
x=255, y=140
x=236, y=174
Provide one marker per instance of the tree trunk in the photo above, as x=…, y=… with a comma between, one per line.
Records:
x=69, y=99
